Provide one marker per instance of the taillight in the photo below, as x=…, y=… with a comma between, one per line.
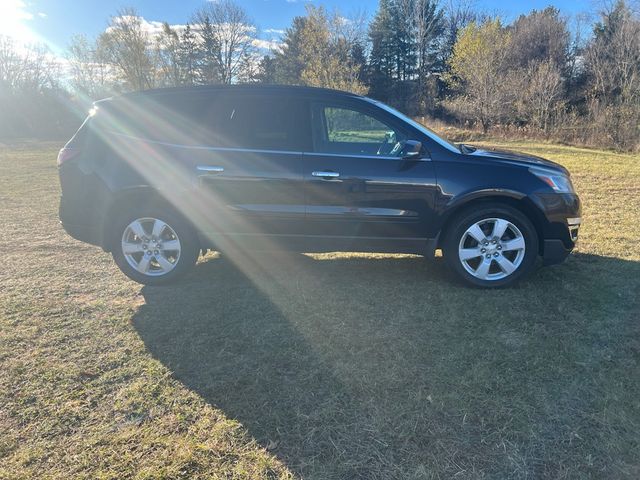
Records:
x=67, y=154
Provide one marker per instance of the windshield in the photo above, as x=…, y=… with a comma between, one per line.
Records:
x=427, y=131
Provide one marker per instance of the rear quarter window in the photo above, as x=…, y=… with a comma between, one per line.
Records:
x=174, y=119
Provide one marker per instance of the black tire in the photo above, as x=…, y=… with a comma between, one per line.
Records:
x=188, y=239
x=459, y=225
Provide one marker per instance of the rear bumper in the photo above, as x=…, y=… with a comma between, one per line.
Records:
x=83, y=233
x=78, y=222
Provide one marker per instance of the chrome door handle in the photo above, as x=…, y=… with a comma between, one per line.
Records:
x=209, y=170
x=325, y=174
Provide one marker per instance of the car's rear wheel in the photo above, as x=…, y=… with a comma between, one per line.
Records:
x=492, y=246
x=154, y=247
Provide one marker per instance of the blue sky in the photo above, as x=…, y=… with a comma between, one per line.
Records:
x=55, y=21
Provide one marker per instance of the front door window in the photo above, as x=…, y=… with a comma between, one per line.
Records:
x=352, y=132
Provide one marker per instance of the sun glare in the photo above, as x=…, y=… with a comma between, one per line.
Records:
x=14, y=18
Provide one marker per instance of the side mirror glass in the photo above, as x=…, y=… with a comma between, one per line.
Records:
x=411, y=149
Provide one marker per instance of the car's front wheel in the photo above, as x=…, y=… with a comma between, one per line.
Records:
x=154, y=247
x=492, y=246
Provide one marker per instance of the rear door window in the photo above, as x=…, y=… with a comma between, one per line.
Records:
x=262, y=123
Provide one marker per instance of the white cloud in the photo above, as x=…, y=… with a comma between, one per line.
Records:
x=267, y=44
x=42, y=15
x=151, y=27
x=274, y=30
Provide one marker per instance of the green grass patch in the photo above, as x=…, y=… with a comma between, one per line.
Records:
x=331, y=366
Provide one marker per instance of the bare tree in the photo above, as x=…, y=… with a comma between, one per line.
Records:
x=613, y=65
x=538, y=92
x=26, y=67
x=88, y=72
x=129, y=48
x=540, y=36
x=168, y=45
x=13, y=66
x=457, y=15
x=229, y=34
x=613, y=57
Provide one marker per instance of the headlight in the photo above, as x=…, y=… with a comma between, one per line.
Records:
x=559, y=182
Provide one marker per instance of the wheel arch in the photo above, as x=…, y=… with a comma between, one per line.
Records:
x=127, y=200
x=512, y=199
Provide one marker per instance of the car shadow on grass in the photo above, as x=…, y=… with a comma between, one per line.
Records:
x=381, y=367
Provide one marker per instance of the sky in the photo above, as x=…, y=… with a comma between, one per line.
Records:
x=54, y=22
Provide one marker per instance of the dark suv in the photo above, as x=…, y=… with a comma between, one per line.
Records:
x=157, y=177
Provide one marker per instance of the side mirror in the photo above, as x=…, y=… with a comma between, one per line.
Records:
x=411, y=150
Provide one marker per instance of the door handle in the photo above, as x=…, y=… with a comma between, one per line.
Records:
x=325, y=174
x=209, y=169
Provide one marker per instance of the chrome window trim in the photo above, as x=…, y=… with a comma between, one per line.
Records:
x=206, y=147
x=350, y=155
x=254, y=150
x=210, y=168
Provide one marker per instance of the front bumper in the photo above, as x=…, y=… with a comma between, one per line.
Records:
x=556, y=250
x=563, y=220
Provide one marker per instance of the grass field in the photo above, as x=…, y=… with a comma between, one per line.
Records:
x=334, y=366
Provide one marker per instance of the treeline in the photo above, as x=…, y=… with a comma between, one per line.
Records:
x=535, y=76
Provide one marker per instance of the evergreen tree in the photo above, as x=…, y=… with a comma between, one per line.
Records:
x=190, y=52
x=381, y=63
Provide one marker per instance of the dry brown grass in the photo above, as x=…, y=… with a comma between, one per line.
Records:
x=336, y=366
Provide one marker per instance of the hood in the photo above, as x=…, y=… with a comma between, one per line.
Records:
x=521, y=159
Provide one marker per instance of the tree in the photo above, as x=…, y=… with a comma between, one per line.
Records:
x=457, y=15
x=88, y=72
x=129, y=49
x=168, y=44
x=317, y=50
x=540, y=36
x=427, y=31
x=613, y=68
x=538, y=92
x=381, y=62
x=25, y=68
x=228, y=37
x=13, y=67
x=190, y=54
x=289, y=60
x=32, y=102
x=476, y=70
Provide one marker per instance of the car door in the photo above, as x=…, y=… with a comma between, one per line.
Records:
x=358, y=187
x=250, y=177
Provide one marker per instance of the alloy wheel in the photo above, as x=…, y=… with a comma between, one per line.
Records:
x=492, y=249
x=151, y=246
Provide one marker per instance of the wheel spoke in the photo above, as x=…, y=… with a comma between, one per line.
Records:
x=128, y=248
x=158, y=227
x=137, y=229
x=143, y=264
x=164, y=263
x=469, y=253
x=515, y=244
x=505, y=265
x=155, y=256
x=499, y=227
x=483, y=269
x=171, y=245
x=476, y=232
